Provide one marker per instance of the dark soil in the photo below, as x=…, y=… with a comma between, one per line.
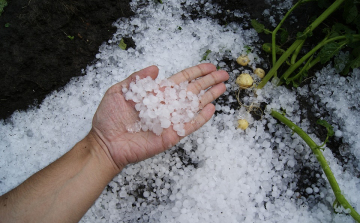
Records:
x=47, y=43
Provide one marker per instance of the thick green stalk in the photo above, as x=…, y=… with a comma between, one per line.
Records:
x=273, y=49
x=293, y=47
x=307, y=67
x=324, y=164
x=325, y=14
x=292, y=68
x=281, y=60
x=300, y=73
x=273, y=34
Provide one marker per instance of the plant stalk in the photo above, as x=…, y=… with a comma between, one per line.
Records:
x=324, y=164
x=293, y=47
x=281, y=60
x=292, y=68
x=298, y=75
x=296, y=53
x=313, y=63
x=273, y=34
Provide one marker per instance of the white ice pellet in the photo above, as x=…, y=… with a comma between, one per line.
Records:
x=338, y=133
x=160, y=108
x=164, y=191
x=146, y=194
x=309, y=190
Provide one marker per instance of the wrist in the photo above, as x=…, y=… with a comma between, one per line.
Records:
x=99, y=150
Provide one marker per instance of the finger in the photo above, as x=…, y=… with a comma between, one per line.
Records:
x=212, y=94
x=151, y=71
x=208, y=81
x=204, y=116
x=192, y=73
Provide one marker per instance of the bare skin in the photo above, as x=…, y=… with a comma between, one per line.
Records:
x=66, y=189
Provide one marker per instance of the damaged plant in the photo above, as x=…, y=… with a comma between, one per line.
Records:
x=336, y=38
x=340, y=200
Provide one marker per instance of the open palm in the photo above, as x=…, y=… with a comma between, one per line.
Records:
x=114, y=114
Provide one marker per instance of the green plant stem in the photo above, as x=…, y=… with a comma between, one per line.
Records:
x=292, y=68
x=273, y=34
x=278, y=63
x=296, y=53
x=307, y=67
x=273, y=48
x=298, y=75
x=313, y=63
x=324, y=164
x=293, y=47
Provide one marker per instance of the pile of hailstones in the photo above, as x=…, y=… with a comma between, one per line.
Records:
x=161, y=104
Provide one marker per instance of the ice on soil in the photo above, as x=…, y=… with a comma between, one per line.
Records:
x=217, y=174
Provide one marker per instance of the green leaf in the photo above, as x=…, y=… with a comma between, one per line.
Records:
x=355, y=63
x=342, y=29
x=283, y=111
x=304, y=35
x=330, y=131
x=257, y=26
x=354, y=60
x=283, y=36
x=267, y=48
x=336, y=206
x=71, y=37
x=266, y=31
x=346, y=70
x=357, y=23
x=323, y=3
x=340, y=62
x=351, y=15
x=329, y=128
x=350, y=11
x=248, y=49
x=206, y=54
x=160, y=1
x=122, y=44
x=356, y=51
x=179, y=28
x=334, y=34
x=328, y=51
x=326, y=30
x=295, y=84
x=3, y=4
x=7, y=25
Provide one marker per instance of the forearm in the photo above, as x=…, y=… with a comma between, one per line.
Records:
x=63, y=191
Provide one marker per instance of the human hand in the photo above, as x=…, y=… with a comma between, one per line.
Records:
x=114, y=114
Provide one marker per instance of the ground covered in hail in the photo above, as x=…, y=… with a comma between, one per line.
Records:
x=220, y=173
